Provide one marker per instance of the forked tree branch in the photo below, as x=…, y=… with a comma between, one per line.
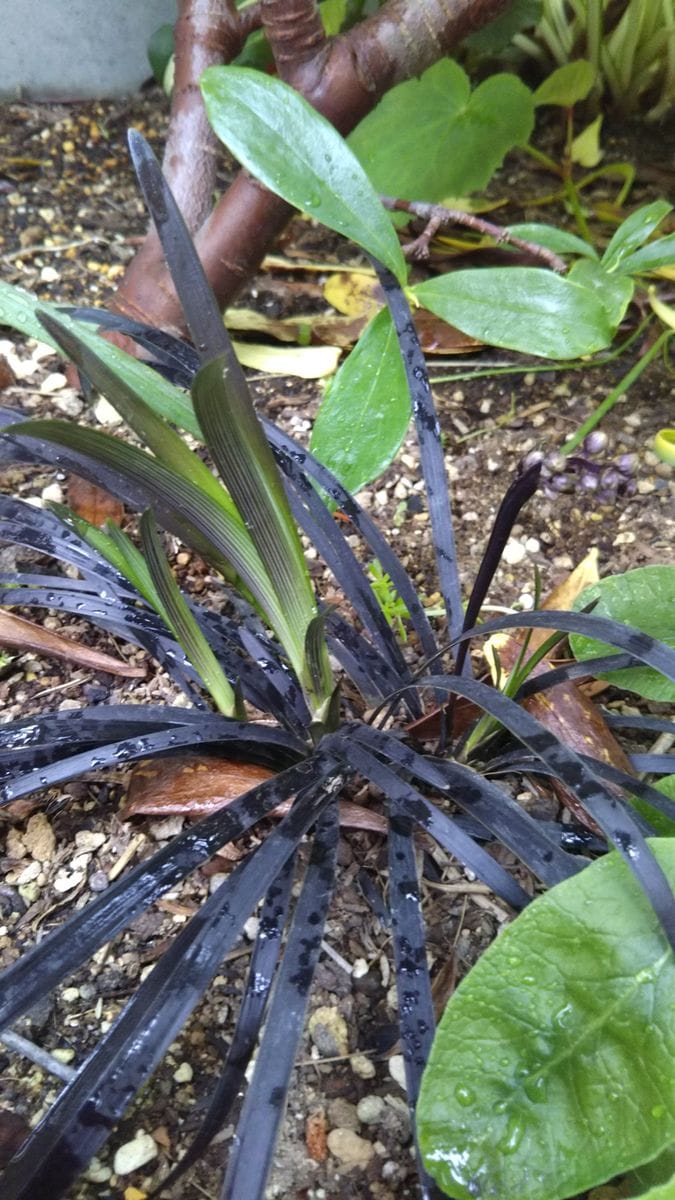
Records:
x=342, y=77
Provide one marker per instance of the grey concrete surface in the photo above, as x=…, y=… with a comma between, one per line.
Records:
x=76, y=49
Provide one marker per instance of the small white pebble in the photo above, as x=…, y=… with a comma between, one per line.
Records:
x=397, y=1069
x=53, y=383
x=251, y=928
x=48, y=275
x=532, y=545
x=526, y=601
x=135, y=1154
x=183, y=1073
x=514, y=552
x=53, y=493
x=360, y=968
x=105, y=413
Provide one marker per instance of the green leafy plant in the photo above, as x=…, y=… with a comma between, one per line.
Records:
x=271, y=643
x=529, y=309
x=630, y=45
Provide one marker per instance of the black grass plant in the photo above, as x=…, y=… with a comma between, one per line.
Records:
x=270, y=650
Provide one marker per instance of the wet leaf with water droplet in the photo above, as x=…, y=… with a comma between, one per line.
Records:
x=574, y=1079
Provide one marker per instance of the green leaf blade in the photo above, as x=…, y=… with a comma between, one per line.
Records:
x=242, y=454
x=296, y=153
x=433, y=137
x=660, y=253
x=176, y=613
x=645, y=599
x=553, y=1067
x=520, y=308
x=366, y=412
x=634, y=232
x=567, y=85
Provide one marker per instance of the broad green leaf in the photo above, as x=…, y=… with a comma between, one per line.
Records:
x=561, y=241
x=660, y=253
x=567, y=85
x=365, y=414
x=18, y=309
x=553, y=1067
x=634, y=232
x=333, y=13
x=110, y=376
x=614, y=292
x=433, y=137
x=176, y=614
x=242, y=454
x=645, y=599
x=160, y=49
x=298, y=154
x=496, y=35
x=520, y=308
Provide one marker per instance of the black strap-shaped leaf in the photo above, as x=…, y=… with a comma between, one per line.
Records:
x=61, y=952
x=614, y=818
x=440, y=826
x=499, y=815
x=264, y=958
x=82, y=1117
x=413, y=986
x=264, y=1104
x=431, y=448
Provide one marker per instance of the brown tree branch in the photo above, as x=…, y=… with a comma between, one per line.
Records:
x=343, y=78
x=437, y=216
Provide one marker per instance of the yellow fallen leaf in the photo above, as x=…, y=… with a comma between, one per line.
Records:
x=584, y=575
x=353, y=294
x=665, y=312
x=306, y=362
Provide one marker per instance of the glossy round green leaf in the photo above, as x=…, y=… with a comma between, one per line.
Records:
x=433, y=137
x=614, y=292
x=634, y=232
x=520, y=308
x=298, y=154
x=567, y=85
x=366, y=412
x=645, y=599
x=553, y=1067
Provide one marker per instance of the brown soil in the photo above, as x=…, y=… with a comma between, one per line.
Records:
x=67, y=178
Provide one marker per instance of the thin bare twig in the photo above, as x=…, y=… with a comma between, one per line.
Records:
x=41, y=1058
x=436, y=216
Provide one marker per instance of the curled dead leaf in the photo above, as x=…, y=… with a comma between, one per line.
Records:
x=25, y=635
x=194, y=786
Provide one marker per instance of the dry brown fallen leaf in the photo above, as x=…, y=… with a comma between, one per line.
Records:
x=92, y=503
x=25, y=635
x=194, y=786
x=566, y=710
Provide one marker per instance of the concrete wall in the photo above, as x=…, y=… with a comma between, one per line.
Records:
x=76, y=49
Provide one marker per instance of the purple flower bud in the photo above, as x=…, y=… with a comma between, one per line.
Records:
x=610, y=479
x=588, y=481
x=627, y=464
x=561, y=483
x=555, y=461
x=531, y=460
x=595, y=442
